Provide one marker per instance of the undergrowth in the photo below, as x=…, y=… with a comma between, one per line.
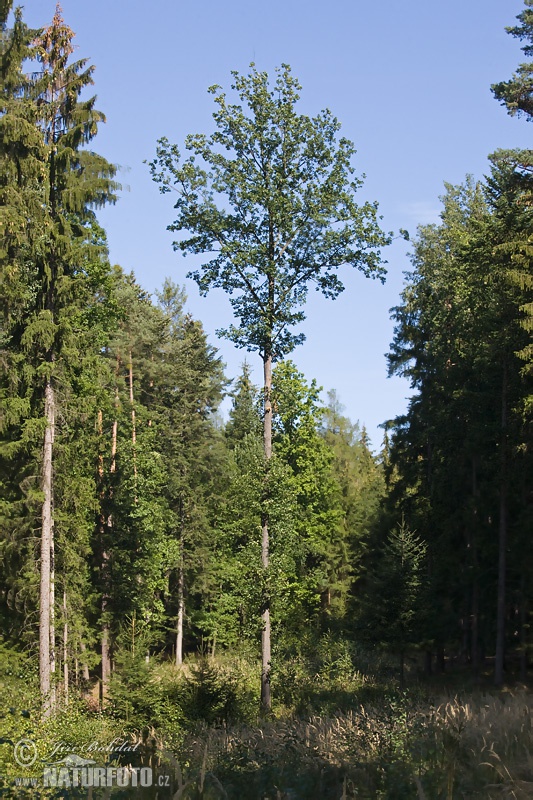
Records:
x=338, y=732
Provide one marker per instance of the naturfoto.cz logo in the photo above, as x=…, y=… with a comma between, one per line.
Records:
x=68, y=776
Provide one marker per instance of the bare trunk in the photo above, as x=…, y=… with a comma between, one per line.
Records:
x=133, y=425
x=502, y=541
x=65, y=648
x=266, y=701
x=52, y=620
x=114, y=435
x=105, y=642
x=500, y=611
x=181, y=611
x=181, y=587
x=402, y=669
x=428, y=663
x=106, y=659
x=47, y=543
x=84, y=666
x=105, y=634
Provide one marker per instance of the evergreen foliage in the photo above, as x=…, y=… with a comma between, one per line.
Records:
x=147, y=546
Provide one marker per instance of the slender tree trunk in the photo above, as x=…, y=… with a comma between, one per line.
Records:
x=181, y=612
x=65, y=648
x=47, y=539
x=84, y=666
x=474, y=638
x=105, y=642
x=428, y=663
x=133, y=423
x=52, y=618
x=266, y=701
x=114, y=435
x=181, y=588
x=502, y=541
x=523, y=626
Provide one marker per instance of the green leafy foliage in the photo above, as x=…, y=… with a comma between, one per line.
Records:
x=272, y=192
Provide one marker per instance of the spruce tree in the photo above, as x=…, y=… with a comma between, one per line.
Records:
x=59, y=248
x=394, y=605
x=516, y=94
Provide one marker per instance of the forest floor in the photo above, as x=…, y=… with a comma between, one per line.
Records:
x=333, y=735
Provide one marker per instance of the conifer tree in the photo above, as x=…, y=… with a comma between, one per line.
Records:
x=460, y=451
x=244, y=418
x=516, y=94
x=395, y=600
x=60, y=247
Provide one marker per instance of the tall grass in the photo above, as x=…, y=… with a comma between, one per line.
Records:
x=397, y=748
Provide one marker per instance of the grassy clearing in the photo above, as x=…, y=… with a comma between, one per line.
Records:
x=338, y=733
x=400, y=747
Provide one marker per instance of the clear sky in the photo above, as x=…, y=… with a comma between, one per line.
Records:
x=410, y=83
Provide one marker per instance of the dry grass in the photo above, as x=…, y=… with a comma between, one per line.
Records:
x=398, y=748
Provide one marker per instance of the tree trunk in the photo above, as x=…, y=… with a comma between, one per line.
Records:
x=474, y=635
x=84, y=666
x=402, y=669
x=52, y=618
x=502, y=541
x=428, y=663
x=65, y=648
x=266, y=701
x=47, y=540
x=181, y=613
x=133, y=424
x=105, y=646
x=523, y=628
x=181, y=588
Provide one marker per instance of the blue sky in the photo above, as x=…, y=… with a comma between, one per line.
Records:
x=410, y=83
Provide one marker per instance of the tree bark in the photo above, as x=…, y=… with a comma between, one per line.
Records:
x=181, y=587
x=502, y=541
x=65, y=648
x=133, y=423
x=522, y=617
x=181, y=613
x=84, y=666
x=474, y=637
x=266, y=700
x=47, y=541
x=105, y=641
x=52, y=615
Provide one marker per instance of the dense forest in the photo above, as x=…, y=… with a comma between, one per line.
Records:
x=257, y=605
